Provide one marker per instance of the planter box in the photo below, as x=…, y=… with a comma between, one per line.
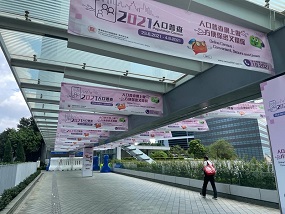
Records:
x=247, y=192
x=241, y=191
x=182, y=181
x=142, y=174
x=196, y=183
x=150, y=175
x=222, y=188
x=169, y=178
x=269, y=195
x=159, y=177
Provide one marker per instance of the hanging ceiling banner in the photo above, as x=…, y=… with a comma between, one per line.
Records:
x=193, y=125
x=76, y=120
x=242, y=110
x=157, y=27
x=115, y=101
x=81, y=133
x=274, y=103
x=77, y=139
x=159, y=135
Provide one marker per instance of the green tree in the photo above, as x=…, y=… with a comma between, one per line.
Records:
x=158, y=154
x=8, y=154
x=28, y=123
x=176, y=151
x=20, y=153
x=30, y=137
x=3, y=140
x=222, y=149
x=197, y=148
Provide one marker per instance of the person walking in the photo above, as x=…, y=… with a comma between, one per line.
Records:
x=209, y=175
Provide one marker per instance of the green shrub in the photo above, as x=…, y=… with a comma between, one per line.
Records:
x=251, y=174
x=9, y=194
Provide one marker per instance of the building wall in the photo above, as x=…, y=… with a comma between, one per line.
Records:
x=248, y=136
x=183, y=143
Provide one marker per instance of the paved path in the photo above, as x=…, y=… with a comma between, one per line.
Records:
x=69, y=193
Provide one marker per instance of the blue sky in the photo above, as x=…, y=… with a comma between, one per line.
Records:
x=12, y=104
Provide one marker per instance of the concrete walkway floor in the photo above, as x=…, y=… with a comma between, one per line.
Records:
x=69, y=193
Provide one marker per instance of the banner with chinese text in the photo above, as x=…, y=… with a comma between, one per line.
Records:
x=78, y=120
x=82, y=133
x=273, y=94
x=193, y=125
x=157, y=27
x=110, y=100
x=242, y=110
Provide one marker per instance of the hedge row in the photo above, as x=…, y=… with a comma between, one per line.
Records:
x=258, y=175
x=9, y=194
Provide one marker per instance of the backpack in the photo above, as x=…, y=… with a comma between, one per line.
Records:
x=209, y=169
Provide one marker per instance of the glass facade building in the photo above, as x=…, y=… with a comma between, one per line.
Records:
x=248, y=136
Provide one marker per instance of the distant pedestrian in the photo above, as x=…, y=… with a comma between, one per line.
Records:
x=209, y=175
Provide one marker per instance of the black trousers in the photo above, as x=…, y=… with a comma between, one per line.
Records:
x=208, y=178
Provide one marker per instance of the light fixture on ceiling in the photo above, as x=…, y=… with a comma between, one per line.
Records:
x=126, y=74
x=27, y=15
x=267, y=3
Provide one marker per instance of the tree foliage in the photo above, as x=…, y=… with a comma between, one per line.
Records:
x=197, y=148
x=20, y=153
x=222, y=149
x=176, y=151
x=158, y=154
x=8, y=153
x=3, y=140
x=27, y=134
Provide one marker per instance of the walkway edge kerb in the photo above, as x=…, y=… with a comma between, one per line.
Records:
x=15, y=203
x=223, y=195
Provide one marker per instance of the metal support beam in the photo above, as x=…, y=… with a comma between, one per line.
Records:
x=181, y=65
x=47, y=126
x=39, y=100
x=91, y=76
x=39, y=123
x=45, y=117
x=48, y=133
x=44, y=110
x=218, y=87
x=48, y=129
x=237, y=12
x=39, y=87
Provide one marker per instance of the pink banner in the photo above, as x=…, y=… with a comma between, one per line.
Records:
x=274, y=103
x=110, y=100
x=68, y=119
x=81, y=133
x=242, y=110
x=157, y=27
x=159, y=135
x=193, y=125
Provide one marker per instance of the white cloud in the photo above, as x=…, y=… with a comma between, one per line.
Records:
x=15, y=101
x=7, y=77
x=8, y=123
x=12, y=104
